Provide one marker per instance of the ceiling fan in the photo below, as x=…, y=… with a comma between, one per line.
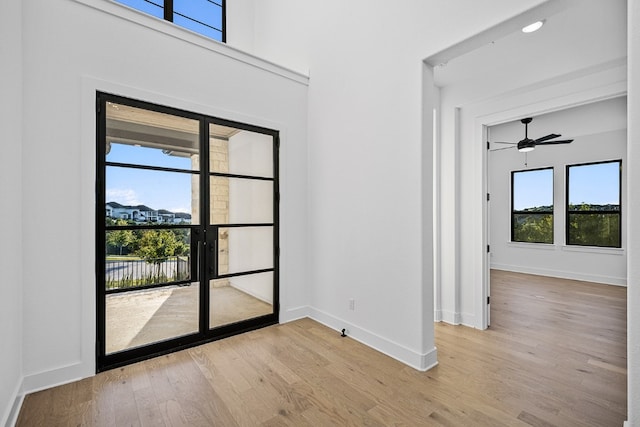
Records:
x=527, y=144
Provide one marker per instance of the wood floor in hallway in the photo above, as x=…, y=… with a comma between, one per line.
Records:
x=555, y=355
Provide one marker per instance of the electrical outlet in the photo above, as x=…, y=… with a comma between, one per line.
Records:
x=352, y=304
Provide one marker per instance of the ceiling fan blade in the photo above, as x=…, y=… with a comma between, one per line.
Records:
x=562, y=141
x=502, y=142
x=547, y=137
x=503, y=148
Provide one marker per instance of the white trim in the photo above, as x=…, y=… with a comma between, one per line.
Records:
x=450, y=317
x=156, y=24
x=593, y=250
x=572, y=275
x=539, y=246
x=10, y=416
x=555, y=94
x=294, y=314
x=419, y=361
x=468, y=319
x=54, y=377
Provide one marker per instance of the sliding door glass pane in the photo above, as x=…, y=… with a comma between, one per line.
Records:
x=243, y=249
x=141, y=317
x=241, y=201
x=140, y=196
x=240, y=298
x=137, y=258
x=144, y=137
x=241, y=152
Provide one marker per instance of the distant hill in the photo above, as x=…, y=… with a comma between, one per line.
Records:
x=581, y=207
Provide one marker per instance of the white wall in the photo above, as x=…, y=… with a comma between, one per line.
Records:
x=633, y=176
x=367, y=238
x=11, y=258
x=599, y=133
x=70, y=50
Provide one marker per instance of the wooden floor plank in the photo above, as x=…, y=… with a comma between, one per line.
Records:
x=555, y=355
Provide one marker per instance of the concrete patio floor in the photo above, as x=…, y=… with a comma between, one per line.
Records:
x=142, y=317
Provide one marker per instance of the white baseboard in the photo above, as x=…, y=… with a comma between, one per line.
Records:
x=10, y=416
x=456, y=319
x=55, y=377
x=421, y=362
x=450, y=317
x=294, y=314
x=607, y=280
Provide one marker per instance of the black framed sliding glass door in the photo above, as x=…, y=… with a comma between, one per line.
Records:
x=186, y=229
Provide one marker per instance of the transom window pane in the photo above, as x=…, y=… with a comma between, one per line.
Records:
x=152, y=7
x=201, y=16
x=205, y=17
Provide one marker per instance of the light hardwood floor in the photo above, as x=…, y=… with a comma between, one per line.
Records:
x=555, y=355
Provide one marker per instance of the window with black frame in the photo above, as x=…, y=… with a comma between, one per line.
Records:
x=532, y=206
x=593, y=204
x=206, y=17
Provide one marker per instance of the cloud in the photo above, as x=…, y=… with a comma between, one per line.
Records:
x=124, y=196
x=183, y=209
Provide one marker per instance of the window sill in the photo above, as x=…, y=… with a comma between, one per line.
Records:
x=526, y=245
x=593, y=250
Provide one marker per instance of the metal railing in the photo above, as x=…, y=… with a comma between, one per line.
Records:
x=120, y=274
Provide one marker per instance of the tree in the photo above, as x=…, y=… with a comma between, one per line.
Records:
x=155, y=246
x=533, y=227
x=120, y=238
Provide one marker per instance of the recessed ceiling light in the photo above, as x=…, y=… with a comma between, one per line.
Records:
x=533, y=27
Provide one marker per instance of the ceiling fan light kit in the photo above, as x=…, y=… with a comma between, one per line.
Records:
x=526, y=146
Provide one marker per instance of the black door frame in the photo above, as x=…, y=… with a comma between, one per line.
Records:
x=203, y=239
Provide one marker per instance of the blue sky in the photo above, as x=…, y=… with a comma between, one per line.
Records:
x=156, y=189
x=592, y=184
x=205, y=11
x=533, y=188
x=595, y=184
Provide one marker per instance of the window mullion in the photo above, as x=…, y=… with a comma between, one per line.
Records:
x=168, y=10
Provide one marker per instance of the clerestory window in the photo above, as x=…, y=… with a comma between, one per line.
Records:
x=206, y=17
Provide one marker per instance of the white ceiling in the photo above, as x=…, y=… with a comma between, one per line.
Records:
x=577, y=35
x=572, y=123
